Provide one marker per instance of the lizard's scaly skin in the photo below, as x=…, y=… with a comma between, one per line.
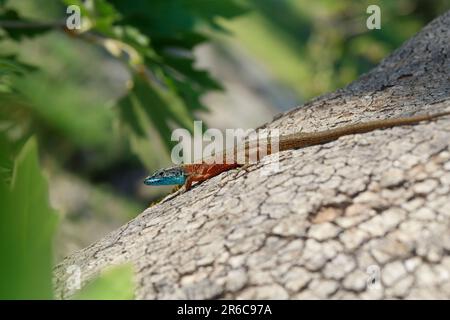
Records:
x=208, y=169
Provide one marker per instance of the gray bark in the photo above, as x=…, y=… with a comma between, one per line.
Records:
x=334, y=216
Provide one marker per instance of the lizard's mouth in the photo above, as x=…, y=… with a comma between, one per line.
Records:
x=150, y=181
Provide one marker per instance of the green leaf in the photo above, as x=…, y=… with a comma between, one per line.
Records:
x=130, y=116
x=113, y=284
x=185, y=67
x=5, y=161
x=166, y=19
x=10, y=66
x=159, y=18
x=187, y=40
x=27, y=225
x=161, y=107
x=209, y=10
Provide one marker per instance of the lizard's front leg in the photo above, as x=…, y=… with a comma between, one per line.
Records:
x=195, y=177
x=188, y=183
x=206, y=171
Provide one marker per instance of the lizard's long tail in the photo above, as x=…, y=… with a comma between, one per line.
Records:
x=255, y=151
x=301, y=140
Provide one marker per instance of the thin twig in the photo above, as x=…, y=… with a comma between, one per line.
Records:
x=13, y=24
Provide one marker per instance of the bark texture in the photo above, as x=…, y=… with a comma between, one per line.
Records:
x=366, y=216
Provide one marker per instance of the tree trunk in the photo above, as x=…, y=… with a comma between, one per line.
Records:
x=366, y=216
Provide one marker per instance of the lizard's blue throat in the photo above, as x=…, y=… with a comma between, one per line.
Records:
x=171, y=176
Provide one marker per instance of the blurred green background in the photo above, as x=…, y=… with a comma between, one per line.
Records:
x=99, y=104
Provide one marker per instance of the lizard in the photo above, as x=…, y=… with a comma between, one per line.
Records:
x=187, y=174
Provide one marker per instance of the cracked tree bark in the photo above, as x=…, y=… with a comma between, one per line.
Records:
x=330, y=221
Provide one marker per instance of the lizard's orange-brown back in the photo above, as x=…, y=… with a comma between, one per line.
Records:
x=208, y=169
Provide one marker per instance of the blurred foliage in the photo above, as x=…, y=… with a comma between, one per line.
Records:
x=314, y=47
x=112, y=284
x=152, y=39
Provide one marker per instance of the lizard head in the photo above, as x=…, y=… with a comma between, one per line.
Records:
x=169, y=176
